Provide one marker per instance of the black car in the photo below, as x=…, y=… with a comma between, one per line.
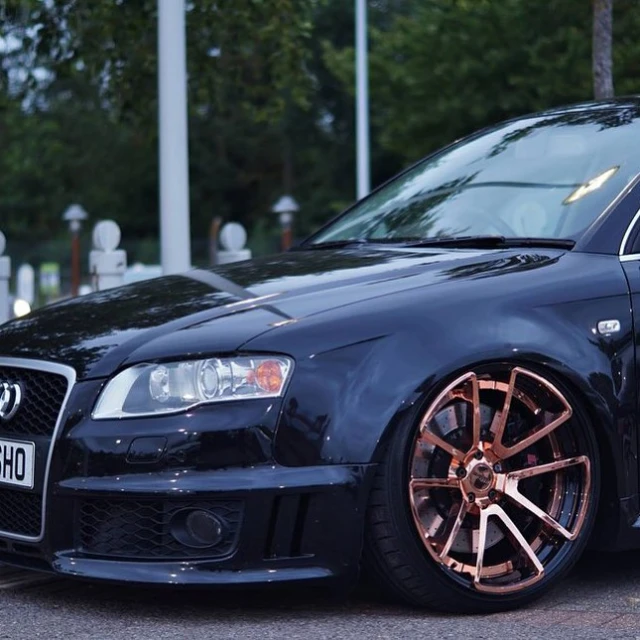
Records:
x=439, y=386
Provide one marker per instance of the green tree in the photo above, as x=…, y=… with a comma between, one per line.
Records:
x=86, y=73
x=271, y=104
x=448, y=67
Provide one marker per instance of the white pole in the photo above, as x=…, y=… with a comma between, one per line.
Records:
x=362, y=101
x=174, y=152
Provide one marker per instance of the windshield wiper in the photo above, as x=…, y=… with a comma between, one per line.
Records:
x=332, y=244
x=493, y=241
x=488, y=241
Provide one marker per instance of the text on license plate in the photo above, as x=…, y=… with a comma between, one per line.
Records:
x=17, y=463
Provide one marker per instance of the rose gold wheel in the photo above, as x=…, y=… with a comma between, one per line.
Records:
x=499, y=483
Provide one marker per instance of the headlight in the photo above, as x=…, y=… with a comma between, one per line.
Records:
x=154, y=389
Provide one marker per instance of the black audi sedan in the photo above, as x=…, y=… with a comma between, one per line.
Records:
x=440, y=386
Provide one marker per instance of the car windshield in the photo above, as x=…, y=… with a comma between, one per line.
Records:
x=548, y=176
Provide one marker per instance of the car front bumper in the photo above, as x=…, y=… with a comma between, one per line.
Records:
x=115, y=496
x=284, y=524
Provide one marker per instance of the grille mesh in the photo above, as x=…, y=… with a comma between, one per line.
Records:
x=20, y=512
x=42, y=397
x=140, y=529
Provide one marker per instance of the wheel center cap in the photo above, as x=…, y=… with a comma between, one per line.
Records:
x=481, y=477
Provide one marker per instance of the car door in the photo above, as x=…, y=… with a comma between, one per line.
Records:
x=629, y=255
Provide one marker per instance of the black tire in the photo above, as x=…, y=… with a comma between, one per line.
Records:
x=395, y=554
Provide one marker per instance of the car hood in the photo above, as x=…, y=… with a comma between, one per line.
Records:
x=228, y=306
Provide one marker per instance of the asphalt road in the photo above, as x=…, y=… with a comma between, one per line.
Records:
x=601, y=599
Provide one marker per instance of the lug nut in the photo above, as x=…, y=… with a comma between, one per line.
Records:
x=471, y=497
x=479, y=455
x=492, y=494
x=497, y=467
x=461, y=472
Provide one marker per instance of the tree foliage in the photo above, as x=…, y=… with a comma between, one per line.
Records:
x=81, y=80
x=452, y=66
x=242, y=54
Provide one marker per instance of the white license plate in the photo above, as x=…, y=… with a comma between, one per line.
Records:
x=17, y=463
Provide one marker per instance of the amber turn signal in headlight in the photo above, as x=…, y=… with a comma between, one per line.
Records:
x=155, y=389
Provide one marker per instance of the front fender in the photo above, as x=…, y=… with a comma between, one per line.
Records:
x=364, y=367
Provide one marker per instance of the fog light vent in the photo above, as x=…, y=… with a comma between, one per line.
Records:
x=197, y=528
x=157, y=530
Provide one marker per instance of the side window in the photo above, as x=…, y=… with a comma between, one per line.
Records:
x=633, y=244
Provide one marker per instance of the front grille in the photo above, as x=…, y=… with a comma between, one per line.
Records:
x=42, y=397
x=43, y=394
x=140, y=529
x=20, y=512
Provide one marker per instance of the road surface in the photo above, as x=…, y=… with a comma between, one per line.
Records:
x=601, y=599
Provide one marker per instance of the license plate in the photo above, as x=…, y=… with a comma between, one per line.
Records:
x=17, y=463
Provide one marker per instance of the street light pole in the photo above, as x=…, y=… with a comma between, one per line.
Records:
x=75, y=215
x=362, y=102
x=75, y=262
x=174, y=155
x=5, y=276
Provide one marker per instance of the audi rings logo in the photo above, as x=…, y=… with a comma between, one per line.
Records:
x=10, y=399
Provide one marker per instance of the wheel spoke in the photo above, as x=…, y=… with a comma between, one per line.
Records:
x=454, y=529
x=506, y=452
x=506, y=406
x=529, y=472
x=470, y=393
x=512, y=479
x=526, y=547
x=525, y=443
x=456, y=390
x=498, y=512
x=482, y=545
x=518, y=498
x=437, y=441
x=434, y=483
x=509, y=523
x=475, y=402
x=495, y=422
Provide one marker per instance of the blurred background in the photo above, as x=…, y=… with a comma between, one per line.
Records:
x=271, y=100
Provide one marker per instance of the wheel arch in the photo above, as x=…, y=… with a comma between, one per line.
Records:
x=606, y=533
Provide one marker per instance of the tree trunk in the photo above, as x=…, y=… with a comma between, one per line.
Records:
x=602, y=39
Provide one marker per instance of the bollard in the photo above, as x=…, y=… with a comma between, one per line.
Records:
x=5, y=275
x=107, y=263
x=26, y=284
x=233, y=237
